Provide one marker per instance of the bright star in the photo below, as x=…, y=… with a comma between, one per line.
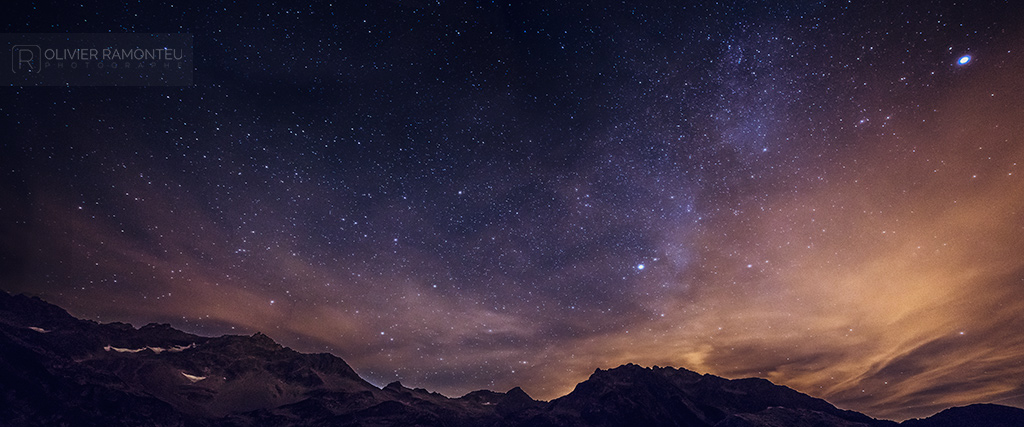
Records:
x=640, y=267
x=964, y=60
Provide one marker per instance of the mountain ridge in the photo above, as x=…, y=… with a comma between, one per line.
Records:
x=57, y=369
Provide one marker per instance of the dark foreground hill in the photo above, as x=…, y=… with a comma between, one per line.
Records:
x=58, y=370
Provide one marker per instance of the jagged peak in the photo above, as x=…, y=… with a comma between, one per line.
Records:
x=263, y=339
x=626, y=369
x=517, y=394
x=121, y=326
x=487, y=394
x=517, y=390
x=630, y=369
x=34, y=310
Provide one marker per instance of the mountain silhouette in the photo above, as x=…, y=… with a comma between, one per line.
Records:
x=56, y=370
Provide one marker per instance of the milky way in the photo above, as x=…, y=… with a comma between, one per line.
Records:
x=489, y=196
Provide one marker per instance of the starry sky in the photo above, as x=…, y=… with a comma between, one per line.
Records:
x=488, y=195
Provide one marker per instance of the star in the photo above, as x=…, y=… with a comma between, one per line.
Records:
x=964, y=60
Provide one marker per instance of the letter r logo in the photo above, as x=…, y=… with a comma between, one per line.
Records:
x=26, y=59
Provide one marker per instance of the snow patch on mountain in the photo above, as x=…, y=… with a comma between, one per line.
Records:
x=156, y=350
x=193, y=378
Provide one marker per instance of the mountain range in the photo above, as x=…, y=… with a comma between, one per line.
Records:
x=58, y=370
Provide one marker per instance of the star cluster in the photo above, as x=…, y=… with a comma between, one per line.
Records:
x=481, y=195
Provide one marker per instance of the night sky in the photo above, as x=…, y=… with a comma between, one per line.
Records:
x=467, y=196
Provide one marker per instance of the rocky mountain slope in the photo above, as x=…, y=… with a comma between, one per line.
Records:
x=59, y=370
